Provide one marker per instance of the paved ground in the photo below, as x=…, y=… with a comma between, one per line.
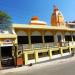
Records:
x=57, y=67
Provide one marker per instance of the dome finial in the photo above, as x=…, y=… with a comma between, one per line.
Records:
x=55, y=7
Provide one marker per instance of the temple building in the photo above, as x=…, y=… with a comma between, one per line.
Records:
x=35, y=42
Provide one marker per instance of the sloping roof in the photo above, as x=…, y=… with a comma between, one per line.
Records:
x=71, y=23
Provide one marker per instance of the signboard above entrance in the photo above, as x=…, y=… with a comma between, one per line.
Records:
x=8, y=41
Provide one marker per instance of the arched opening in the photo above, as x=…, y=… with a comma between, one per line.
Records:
x=68, y=37
x=22, y=37
x=73, y=35
x=68, y=41
x=73, y=38
x=48, y=37
x=59, y=39
x=36, y=37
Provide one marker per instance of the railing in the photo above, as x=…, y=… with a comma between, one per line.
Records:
x=23, y=46
x=49, y=49
x=56, y=44
x=39, y=46
x=45, y=45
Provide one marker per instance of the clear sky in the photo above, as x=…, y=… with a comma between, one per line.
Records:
x=21, y=11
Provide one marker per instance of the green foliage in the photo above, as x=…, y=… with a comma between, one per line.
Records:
x=5, y=20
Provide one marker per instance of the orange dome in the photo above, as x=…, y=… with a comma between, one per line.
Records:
x=35, y=18
x=35, y=21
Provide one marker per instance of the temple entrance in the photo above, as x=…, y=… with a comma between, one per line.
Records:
x=6, y=56
x=59, y=38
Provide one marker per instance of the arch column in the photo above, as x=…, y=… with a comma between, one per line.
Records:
x=29, y=38
x=43, y=38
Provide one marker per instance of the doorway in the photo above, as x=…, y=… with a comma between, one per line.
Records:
x=6, y=55
x=59, y=40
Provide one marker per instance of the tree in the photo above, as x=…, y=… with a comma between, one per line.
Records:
x=5, y=20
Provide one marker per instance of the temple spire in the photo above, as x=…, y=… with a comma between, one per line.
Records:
x=57, y=18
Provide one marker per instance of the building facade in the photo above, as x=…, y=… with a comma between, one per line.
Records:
x=35, y=42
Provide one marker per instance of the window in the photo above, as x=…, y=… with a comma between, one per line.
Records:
x=73, y=38
x=23, y=40
x=36, y=39
x=49, y=39
x=68, y=38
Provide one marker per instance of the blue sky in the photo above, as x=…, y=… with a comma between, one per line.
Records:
x=22, y=10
